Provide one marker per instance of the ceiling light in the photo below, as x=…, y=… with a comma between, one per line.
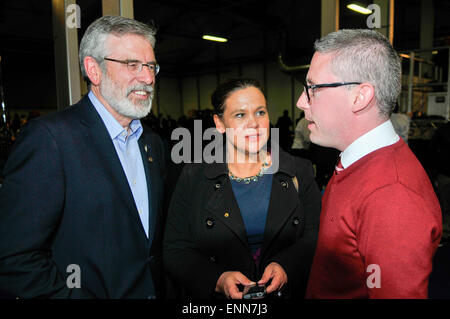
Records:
x=359, y=8
x=214, y=38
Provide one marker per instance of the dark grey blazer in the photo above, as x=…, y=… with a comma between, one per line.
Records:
x=66, y=200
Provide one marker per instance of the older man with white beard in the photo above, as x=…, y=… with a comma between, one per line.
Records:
x=81, y=203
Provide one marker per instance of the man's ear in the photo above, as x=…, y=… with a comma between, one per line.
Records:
x=362, y=97
x=93, y=70
x=220, y=126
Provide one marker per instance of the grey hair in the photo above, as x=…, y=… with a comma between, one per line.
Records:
x=365, y=56
x=94, y=39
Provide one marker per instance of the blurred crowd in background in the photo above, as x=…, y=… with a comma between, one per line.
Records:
x=429, y=139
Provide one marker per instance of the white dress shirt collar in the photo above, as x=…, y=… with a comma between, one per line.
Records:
x=381, y=136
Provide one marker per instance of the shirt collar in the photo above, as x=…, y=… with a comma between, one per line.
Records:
x=381, y=136
x=114, y=128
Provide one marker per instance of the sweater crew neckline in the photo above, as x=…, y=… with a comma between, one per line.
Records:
x=380, y=137
x=349, y=170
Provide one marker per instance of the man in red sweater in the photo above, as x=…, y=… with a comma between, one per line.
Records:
x=381, y=222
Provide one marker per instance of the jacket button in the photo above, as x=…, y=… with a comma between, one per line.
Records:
x=209, y=222
x=217, y=186
x=284, y=184
x=296, y=221
x=212, y=259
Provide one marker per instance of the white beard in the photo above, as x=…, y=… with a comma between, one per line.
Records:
x=122, y=104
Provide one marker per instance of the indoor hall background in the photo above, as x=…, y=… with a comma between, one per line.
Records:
x=258, y=32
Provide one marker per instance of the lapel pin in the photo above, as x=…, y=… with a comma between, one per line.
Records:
x=226, y=215
x=150, y=159
x=145, y=148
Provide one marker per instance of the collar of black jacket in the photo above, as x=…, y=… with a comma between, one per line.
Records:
x=286, y=164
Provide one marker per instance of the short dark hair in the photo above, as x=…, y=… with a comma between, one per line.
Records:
x=224, y=90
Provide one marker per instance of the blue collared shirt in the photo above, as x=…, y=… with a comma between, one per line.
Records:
x=127, y=149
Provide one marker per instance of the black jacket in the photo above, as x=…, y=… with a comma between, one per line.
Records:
x=202, y=241
x=66, y=200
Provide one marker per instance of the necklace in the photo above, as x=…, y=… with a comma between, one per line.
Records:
x=249, y=179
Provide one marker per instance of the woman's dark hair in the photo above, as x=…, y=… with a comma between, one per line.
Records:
x=224, y=90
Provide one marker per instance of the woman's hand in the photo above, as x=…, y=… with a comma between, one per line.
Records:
x=275, y=272
x=228, y=282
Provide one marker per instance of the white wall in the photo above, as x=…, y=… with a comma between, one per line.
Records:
x=189, y=88
x=278, y=91
x=168, y=97
x=208, y=84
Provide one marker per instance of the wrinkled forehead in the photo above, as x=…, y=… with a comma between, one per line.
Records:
x=128, y=43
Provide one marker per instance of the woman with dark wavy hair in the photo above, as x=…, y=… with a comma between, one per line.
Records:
x=252, y=219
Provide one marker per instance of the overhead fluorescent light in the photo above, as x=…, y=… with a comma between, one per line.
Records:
x=359, y=8
x=214, y=38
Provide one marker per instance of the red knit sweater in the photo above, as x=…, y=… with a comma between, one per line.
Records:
x=380, y=211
